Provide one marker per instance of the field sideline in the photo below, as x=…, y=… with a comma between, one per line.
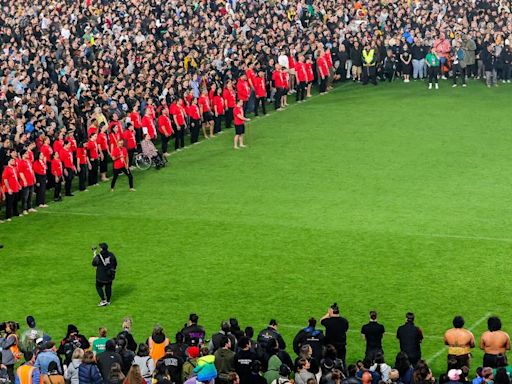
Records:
x=392, y=198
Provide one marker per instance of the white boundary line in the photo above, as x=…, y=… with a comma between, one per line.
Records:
x=443, y=350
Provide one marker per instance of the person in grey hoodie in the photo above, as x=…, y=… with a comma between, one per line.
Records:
x=71, y=374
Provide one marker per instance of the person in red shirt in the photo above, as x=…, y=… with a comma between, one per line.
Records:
x=115, y=122
x=150, y=110
x=165, y=129
x=302, y=77
x=130, y=139
x=330, y=67
x=218, y=110
x=57, y=172
x=286, y=83
x=323, y=70
x=40, y=169
x=260, y=91
x=27, y=179
x=136, y=121
x=11, y=187
x=277, y=79
x=120, y=158
x=206, y=113
x=243, y=90
x=93, y=154
x=82, y=165
x=114, y=136
x=309, y=76
x=148, y=125
x=292, y=73
x=69, y=169
x=59, y=143
x=240, y=119
x=178, y=112
x=102, y=140
x=229, y=96
x=194, y=114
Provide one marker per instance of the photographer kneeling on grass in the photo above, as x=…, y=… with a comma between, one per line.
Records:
x=106, y=264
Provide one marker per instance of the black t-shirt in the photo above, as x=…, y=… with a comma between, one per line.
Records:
x=243, y=362
x=373, y=332
x=335, y=330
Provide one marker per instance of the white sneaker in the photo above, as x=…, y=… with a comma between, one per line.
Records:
x=443, y=77
x=32, y=210
x=102, y=303
x=25, y=212
x=454, y=85
x=430, y=86
x=464, y=85
x=437, y=86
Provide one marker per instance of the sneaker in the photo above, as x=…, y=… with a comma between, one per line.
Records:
x=236, y=148
x=25, y=212
x=132, y=189
x=464, y=85
x=430, y=86
x=108, y=303
x=32, y=210
x=8, y=219
x=443, y=77
x=102, y=303
x=503, y=81
x=437, y=86
x=243, y=146
x=508, y=81
x=454, y=85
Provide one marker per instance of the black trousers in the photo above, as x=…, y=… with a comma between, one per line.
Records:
x=341, y=352
x=323, y=85
x=165, y=143
x=277, y=98
x=462, y=361
x=229, y=117
x=104, y=289
x=117, y=172
x=103, y=163
x=10, y=372
x=369, y=75
x=26, y=197
x=40, y=189
x=131, y=154
x=372, y=352
x=432, y=73
x=50, y=180
x=68, y=180
x=93, y=173
x=194, y=130
x=301, y=91
x=179, y=138
x=262, y=101
x=138, y=135
x=58, y=188
x=82, y=176
x=217, y=125
x=458, y=71
x=11, y=205
x=490, y=360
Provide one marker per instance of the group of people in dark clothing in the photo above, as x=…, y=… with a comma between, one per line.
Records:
x=233, y=355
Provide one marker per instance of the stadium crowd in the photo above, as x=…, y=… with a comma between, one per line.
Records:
x=85, y=82
x=233, y=355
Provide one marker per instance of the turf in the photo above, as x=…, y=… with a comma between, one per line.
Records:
x=392, y=198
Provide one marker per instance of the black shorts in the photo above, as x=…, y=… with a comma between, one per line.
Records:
x=207, y=116
x=239, y=129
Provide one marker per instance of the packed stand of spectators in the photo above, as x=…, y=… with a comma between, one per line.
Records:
x=82, y=83
x=232, y=355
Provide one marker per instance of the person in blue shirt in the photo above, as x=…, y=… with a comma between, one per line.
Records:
x=48, y=355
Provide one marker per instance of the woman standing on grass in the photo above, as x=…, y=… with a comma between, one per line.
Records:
x=40, y=169
x=405, y=58
x=432, y=62
x=240, y=119
x=57, y=172
x=194, y=114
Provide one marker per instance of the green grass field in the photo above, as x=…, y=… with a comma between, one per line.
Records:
x=392, y=198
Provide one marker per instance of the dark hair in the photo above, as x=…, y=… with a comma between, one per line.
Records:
x=143, y=350
x=256, y=366
x=501, y=376
x=249, y=332
x=301, y=363
x=330, y=352
x=53, y=367
x=402, y=363
x=494, y=323
x=335, y=308
x=312, y=322
x=367, y=363
x=373, y=315
x=458, y=322
x=89, y=357
x=110, y=346
x=193, y=318
x=180, y=337
x=409, y=316
x=224, y=341
x=232, y=377
x=243, y=342
x=379, y=358
x=351, y=370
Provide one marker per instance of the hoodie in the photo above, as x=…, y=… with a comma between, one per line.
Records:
x=273, y=369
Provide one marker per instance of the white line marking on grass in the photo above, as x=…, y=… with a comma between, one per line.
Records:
x=298, y=327
x=443, y=350
x=462, y=237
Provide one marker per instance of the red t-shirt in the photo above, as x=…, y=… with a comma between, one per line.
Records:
x=323, y=69
x=120, y=157
x=57, y=145
x=204, y=103
x=102, y=141
x=81, y=155
x=301, y=73
x=165, y=122
x=147, y=122
x=92, y=148
x=119, y=126
x=40, y=167
x=236, y=112
x=259, y=87
x=286, y=79
x=178, y=112
x=56, y=168
x=150, y=109
x=72, y=143
x=67, y=158
x=11, y=175
x=250, y=76
x=129, y=138
x=328, y=59
x=47, y=151
x=243, y=89
x=278, y=79
x=218, y=104
x=309, y=72
x=135, y=118
x=113, y=138
x=229, y=96
x=291, y=62
x=193, y=112
x=25, y=169
x=92, y=129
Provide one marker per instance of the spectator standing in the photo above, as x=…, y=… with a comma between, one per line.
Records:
x=433, y=63
x=194, y=333
x=373, y=332
x=145, y=362
x=490, y=60
x=72, y=374
x=88, y=371
x=126, y=333
x=410, y=337
x=336, y=327
x=157, y=343
x=11, y=187
x=27, y=373
x=53, y=376
x=134, y=376
x=47, y=355
x=107, y=359
x=225, y=330
x=40, y=170
x=240, y=119
x=459, y=341
x=224, y=360
x=494, y=342
x=72, y=341
x=311, y=336
x=121, y=165
x=244, y=360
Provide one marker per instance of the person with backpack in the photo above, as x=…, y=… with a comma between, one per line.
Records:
x=27, y=373
x=157, y=343
x=312, y=337
x=53, y=376
x=145, y=362
x=72, y=373
x=88, y=371
x=190, y=363
x=105, y=263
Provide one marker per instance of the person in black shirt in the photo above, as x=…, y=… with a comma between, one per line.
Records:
x=194, y=333
x=410, y=337
x=312, y=337
x=336, y=328
x=373, y=332
x=269, y=333
x=106, y=264
x=244, y=360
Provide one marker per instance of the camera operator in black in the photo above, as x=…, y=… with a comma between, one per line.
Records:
x=106, y=264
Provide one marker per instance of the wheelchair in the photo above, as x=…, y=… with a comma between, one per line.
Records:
x=144, y=162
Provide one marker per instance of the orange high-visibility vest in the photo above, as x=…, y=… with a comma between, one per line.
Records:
x=15, y=350
x=24, y=374
x=157, y=350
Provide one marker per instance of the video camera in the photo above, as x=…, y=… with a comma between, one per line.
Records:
x=12, y=324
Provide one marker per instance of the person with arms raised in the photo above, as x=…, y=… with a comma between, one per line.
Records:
x=336, y=327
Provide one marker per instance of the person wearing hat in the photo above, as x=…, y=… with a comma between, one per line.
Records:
x=30, y=336
x=190, y=363
x=105, y=263
x=72, y=341
x=47, y=354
